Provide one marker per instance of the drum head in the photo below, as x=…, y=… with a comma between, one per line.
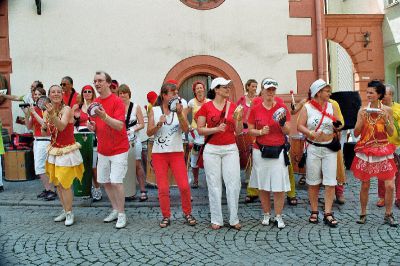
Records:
x=173, y=103
x=92, y=108
x=278, y=114
x=41, y=102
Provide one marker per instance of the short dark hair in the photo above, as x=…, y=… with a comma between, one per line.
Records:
x=379, y=88
x=69, y=79
x=108, y=77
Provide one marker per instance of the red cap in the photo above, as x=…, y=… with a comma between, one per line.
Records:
x=114, y=84
x=152, y=97
x=172, y=81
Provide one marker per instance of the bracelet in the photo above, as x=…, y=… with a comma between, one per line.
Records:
x=105, y=118
x=260, y=132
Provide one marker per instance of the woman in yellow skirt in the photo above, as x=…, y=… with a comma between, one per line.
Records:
x=64, y=161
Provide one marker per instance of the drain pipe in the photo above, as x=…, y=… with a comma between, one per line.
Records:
x=319, y=12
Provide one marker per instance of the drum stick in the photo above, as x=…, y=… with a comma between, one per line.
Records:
x=291, y=93
x=228, y=104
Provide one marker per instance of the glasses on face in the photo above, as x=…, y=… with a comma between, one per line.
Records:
x=88, y=91
x=63, y=84
x=98, y=81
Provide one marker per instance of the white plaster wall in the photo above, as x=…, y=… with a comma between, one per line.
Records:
x=138, y=42
x=355, y=6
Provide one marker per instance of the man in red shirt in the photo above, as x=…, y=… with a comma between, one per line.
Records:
x=112, y=147
x=69, y=94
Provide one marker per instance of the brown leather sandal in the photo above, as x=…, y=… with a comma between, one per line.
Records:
x=165, y=222
x=190, y=220
x=314, y=217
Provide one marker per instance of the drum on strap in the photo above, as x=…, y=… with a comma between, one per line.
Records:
x=296, y=152
x=245, y=144
x=82, y=189
x=150, y=175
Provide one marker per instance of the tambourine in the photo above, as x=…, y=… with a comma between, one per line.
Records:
x=91, y=110
x=173, y=103
x=278, y=114
x=373, y=110
x=42, y=101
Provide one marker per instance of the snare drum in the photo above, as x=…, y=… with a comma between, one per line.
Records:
x=245, y=143
x=296, y=152
x=151, y=177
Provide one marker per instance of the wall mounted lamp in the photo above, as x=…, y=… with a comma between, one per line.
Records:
x=38, y=6
x=366, y=38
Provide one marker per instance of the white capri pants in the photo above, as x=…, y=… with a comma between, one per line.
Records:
x=321, y=166
x=222, y=162
x=40, y=154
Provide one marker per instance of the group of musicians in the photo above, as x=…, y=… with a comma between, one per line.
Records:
x=217, y=123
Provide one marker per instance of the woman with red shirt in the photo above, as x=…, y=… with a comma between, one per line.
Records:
x=81, y=117
x=64, y=161
x=269, y=174
x=221, y=156
x=34, y=120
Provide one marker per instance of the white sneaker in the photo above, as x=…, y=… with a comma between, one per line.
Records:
x=69, y=219
x=121, y=222
x=60, y=217
x=111, y=217
x=267, y=219
x=279, y=221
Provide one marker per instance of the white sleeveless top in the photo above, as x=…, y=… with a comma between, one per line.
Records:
x=314, y=117
x=169, y=137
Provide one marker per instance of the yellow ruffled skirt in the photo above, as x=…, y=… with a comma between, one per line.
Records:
x=63, y=165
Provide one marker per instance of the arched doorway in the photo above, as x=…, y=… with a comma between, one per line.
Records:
x=361, y=36
x=208, y=66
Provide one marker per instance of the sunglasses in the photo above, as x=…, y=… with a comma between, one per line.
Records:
x=63, y=84
x=88, y=91
x=270, y=82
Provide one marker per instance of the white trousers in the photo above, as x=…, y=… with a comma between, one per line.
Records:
x=222, y=162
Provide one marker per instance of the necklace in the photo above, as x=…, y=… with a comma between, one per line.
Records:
x=166, y=116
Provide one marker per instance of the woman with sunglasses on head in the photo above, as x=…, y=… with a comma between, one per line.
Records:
x=85, y=99
x=34, y=120
x=167, y=153
x=373, y=152
x=134, y=122
x=318, y=121
x=199, y=91
x=64, y=161
x=270, y=171
x=218, y=123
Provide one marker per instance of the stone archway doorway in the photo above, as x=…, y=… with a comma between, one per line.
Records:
x=361, y=36
x=208, y=66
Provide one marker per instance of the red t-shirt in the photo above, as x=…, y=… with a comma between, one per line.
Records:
x=110, y=141
x=260, y=117
x=36, y=125
x=73, y=100
x=213, y=118
x=258, y=100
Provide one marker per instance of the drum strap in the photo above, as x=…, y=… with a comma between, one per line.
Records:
x=128, y=115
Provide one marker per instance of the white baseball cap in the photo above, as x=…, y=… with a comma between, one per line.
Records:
x=317, y=86
x=269, y=83
x=219, y=81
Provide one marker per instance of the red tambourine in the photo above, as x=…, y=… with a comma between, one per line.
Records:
x=92, y=108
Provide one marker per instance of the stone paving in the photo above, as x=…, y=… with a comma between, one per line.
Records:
x=28, y=236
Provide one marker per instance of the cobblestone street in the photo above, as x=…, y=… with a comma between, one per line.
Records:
x=28, y=236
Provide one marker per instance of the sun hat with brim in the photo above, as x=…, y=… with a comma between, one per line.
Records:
x=219, y=82
x=269, y=83
x=317, y=86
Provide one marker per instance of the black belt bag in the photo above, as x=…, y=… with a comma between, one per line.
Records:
x=334, y=145
x=197, y=147
x=271, y=152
